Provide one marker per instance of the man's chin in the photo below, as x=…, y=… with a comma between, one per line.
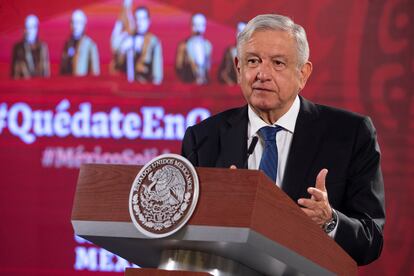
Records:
x=264, y=103
x=264, y=106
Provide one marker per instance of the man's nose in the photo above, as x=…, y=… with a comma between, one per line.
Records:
x=264, y=72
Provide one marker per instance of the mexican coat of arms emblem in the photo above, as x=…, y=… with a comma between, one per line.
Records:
x=163, y=195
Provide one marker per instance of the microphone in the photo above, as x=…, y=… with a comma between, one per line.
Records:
x=196, y=147
x=250, y=150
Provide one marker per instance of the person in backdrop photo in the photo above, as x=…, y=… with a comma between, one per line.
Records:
x=80, y=56
x=227, y=71
x=324, y=158
x=193, y=59
x=30, y=57
x=124, y=28
x=140, y=55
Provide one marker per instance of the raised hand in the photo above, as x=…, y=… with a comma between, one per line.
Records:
x=318, y=207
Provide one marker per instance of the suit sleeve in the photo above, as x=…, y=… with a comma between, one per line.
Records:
x=187, y=146
x=362, y=215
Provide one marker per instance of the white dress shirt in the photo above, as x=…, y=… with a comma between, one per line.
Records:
x=283, y=138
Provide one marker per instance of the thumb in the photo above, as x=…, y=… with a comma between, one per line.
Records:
x=320, y=180
x=233, y=167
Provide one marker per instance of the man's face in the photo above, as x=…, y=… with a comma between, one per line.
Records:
x=268, y=72
x=31, y=28
x=199, y=24
x=78, y=23
x=143, y=21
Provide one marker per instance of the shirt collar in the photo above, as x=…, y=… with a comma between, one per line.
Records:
x=287, y=121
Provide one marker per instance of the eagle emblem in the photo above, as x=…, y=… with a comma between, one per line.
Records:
x=163, y=195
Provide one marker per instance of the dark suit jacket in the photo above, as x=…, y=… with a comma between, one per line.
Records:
x=343, y=142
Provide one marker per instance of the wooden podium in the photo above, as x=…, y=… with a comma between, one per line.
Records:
x=241, y=218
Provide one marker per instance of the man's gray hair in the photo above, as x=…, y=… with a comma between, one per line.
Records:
x=276, y=22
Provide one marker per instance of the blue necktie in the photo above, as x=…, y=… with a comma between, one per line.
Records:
x=268, y=163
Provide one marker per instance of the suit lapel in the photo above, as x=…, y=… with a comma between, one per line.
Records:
x=233, y=140
x=305, y=144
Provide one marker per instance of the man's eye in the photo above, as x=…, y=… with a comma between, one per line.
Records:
x=252, y=61
x=279, y=64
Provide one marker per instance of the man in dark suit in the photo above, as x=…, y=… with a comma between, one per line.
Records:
x=31, y=55
x=299, y=141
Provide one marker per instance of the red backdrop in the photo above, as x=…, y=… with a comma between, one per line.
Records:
x=363, y=59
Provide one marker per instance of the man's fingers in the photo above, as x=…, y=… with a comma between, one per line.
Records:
x=317, y=195
x=233, y=167
x=308, y=203
x=320, y=180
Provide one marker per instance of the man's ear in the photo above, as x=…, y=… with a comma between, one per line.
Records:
x=237, y=66
x=305, y=73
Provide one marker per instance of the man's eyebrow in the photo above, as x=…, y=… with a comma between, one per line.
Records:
x=251, y=54
x=273, y=56
x=280, y=56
